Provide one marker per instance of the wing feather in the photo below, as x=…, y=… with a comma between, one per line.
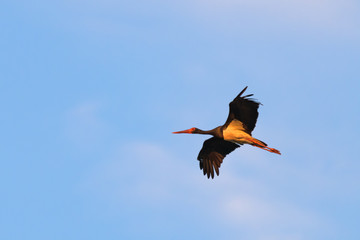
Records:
x=245, y=110
x=213, y=152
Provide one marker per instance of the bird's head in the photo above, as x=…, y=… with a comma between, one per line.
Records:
x=191, y=130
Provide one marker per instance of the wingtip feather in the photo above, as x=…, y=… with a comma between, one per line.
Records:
x=239, y=95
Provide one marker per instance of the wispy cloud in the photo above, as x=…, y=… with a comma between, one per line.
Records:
x=265, y=214
x=143, y=173
x=328, y=14
x=122, y=19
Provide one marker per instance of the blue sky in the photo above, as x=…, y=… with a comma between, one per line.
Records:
x=90, y=92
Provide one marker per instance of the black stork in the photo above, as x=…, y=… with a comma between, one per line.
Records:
x=226, y=138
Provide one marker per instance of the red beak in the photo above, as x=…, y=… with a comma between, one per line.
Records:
x=191, y=130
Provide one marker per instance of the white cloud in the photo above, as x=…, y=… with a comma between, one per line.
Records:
x=304, y=10
x=146, y=174
x=120, y=18
x=138, y=170
x=251, y=17
x=259, y=214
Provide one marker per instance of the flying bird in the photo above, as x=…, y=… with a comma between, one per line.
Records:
x=241, y=121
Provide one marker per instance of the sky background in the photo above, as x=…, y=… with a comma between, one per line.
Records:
x=90, y=92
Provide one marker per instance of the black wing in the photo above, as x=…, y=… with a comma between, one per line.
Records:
x=212, y=154
x=245, y=110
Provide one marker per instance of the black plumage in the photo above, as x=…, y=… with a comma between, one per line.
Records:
x=245, y=110
x=241, y=121
x=213, y=152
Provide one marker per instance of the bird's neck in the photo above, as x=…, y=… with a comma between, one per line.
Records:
x=216, y=132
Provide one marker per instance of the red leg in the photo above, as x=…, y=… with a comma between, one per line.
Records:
x=262, y=146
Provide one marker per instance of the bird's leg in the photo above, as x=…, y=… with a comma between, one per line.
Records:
x=273, y=150
x=259, y=144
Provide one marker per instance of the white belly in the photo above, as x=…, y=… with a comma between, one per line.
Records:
x=235, y=133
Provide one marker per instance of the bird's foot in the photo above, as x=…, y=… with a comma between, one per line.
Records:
x=274, y=151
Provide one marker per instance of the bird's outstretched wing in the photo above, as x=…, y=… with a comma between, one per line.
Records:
x=212, y=154
x=245, y=110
